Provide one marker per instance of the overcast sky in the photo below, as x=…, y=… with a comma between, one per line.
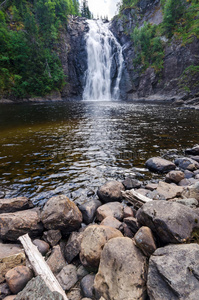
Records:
x=103, y=7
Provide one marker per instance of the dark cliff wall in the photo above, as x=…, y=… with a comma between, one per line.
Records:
x=177, y=79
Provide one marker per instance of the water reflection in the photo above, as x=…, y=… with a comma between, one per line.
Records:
x=73, y=147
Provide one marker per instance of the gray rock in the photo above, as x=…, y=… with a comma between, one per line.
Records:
x=13, y=225
x=188, y=174
x=4, y=291
x=172, y=222
x=110, y=191
x=191, y=202
x=122, y=271
x=131, y=222
x=81, y=272
x=185, y=182
x=160, y=165
x=187, y=163
x=14, y=204
x=72, y=247
x=87, y=286
x=52, y=237
x=145, y=241
x=36, y=289
x=196, y=158
x=68, y=277
x=42, y=246
x=192, y=191
x=169, y=191
x=174, y=176
x=193, y=151
x=112, y=209
x=174, y=273
x=62, y=214
x=88, y=210
x=130, y=183
x=56, y=260
x=93, y=241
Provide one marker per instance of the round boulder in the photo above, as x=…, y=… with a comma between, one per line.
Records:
x=122, y=271
x=42, y=246
x=93, y=241
x=145, y=241
x=174, y=176
x=61, y=213
x=160, y=165
x=17, y=278
x=111, y=191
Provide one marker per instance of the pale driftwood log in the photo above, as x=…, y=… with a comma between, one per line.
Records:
x=39, y=265
x=135, y=198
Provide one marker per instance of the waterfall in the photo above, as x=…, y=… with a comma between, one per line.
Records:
x=105, y=62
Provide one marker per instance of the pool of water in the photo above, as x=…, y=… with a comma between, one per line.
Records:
x=73, y=147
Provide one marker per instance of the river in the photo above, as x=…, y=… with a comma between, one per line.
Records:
x=73, y=147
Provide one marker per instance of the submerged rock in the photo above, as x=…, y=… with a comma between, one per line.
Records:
x=172, y=222
x=174, y=273
x=111, y=191
x=122, y=271
x=160, y=165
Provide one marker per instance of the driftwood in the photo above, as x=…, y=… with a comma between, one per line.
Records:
x=135, y=198
x=39, y=265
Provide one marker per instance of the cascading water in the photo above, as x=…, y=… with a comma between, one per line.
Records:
x=105, y=62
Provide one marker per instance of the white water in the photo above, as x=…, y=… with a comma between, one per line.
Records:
x=100, y=45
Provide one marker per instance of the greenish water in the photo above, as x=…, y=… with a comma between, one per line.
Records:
x=73, y=147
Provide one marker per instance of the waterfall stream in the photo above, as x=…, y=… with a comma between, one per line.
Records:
x=105, y=62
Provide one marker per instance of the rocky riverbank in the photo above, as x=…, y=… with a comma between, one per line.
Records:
x=108, y=248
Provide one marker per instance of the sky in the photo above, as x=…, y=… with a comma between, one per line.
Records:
x=103, y=7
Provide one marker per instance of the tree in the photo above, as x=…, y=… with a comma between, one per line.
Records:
x=85, y=11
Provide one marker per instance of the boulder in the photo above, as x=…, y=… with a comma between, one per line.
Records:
x=191, y=202
x=145, y=241
x=192, y=191
x=93, y=241
x=14, y=204
x=37, y=289
x=11, y=255
x=87, y=286
x=72, y=247
x=17, y=278
x=111, y=191
x=42, y=246
x=111, y=209
x=52, y=237
x=174, y=273
x=56, y=260
x=130, y=183
x=68, y=277
x=112, y=222
x=62, y=214
x=122, y=271
x=172, y=222
x=169, y=191
x=187, y=163
x=193, y=151
x=13, y=225
x=174, y=176
x=88, y=210
x=160, y=165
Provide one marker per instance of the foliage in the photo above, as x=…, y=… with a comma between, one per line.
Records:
x=85, y=12
x=29, y=36
x=148, y=46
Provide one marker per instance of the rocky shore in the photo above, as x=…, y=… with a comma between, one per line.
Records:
x=107, y=248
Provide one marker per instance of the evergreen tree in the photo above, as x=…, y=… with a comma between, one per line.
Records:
x=85, y=11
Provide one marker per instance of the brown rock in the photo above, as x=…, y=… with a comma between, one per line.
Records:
x=52, y=237
x=17, y=278
x=122, y=271
x=10, y=256
x=13, y=225
x=14, y=204
x=145, y=241
x=42, y=246
x=93, y=241
x=174, y=176
x=111, y=191
x=172, y=222
x=56, y=260
x=10, y=297
x=129, y=212
x=169, y=191
x=132, y=223
x=160, y=165
x=112, y=222
x=111, y=209
x=72, y=247
x=61, y=213
x=151, y=186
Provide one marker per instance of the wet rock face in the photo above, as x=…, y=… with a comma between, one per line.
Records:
x=161, y=216
x=174, y=273
x=121, y=273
